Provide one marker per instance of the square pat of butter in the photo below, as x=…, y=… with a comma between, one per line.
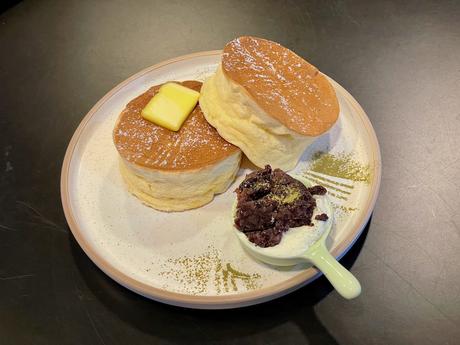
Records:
x=171, y=106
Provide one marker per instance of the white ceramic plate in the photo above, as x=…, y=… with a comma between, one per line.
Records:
x=192, y=258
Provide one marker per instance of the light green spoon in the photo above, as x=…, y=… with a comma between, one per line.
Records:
x=307, y=244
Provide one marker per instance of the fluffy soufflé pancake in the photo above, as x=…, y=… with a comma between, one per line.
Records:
x=286, y=86
x=197, y=144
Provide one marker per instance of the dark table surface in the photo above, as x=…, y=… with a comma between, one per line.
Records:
x=400, y=59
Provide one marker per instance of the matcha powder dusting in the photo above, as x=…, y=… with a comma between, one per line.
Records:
x=341, y=165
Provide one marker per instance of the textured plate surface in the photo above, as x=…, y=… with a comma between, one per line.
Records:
x=192, y=258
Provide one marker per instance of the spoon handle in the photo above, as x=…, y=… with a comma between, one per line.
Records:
x=343, y=281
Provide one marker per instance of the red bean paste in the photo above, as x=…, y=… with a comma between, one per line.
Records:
x=270, y=202
x=322, y=216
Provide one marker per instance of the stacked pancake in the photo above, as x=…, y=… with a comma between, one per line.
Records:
x=268, y=101
x=263, y=99
x=173, y=171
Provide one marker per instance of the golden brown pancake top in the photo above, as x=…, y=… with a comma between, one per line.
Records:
x=196, y=144
x=285, y=86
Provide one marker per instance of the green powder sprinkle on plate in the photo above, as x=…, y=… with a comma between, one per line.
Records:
x=195, y=273
x=341, y=165
x=344, y=209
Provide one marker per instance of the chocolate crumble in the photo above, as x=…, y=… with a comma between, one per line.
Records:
x=270, y=202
